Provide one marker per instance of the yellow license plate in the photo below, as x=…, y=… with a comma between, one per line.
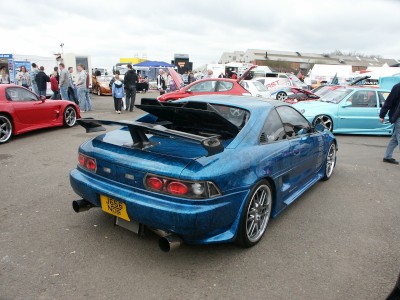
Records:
x=114, y=207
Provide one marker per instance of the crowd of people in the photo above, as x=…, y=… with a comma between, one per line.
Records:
x=61, y=80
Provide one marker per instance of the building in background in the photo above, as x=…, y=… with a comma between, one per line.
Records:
x=72, y=60
x=181, y=61
x=288, y=61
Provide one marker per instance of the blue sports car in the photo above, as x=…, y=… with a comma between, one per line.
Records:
x=205, y=169
x=348, y=110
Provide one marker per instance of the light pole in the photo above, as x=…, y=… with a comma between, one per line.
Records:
x=62, y=48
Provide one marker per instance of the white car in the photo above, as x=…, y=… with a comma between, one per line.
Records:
x=256, y=88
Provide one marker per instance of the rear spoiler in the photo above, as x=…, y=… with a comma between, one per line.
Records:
x=138, y=132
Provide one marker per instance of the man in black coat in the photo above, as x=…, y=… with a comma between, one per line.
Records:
x=41, y=80
x=392, y=105
x=130, y=81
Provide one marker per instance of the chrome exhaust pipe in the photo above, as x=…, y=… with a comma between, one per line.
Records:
x=81, y=205
x=169, y=242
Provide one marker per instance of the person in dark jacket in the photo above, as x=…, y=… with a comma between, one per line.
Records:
x=392, y=105
x=41, y=80
x=130, y=81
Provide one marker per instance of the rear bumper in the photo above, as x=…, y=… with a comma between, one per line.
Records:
x=195, y=221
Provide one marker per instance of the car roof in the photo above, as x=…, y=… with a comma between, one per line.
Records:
x=244, y=102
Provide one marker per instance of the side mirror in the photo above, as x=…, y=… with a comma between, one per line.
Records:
x=347, y=104
x=319, y=128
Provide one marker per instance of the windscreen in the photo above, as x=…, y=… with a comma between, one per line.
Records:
x=336, y=96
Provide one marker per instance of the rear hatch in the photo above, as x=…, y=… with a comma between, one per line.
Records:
x=140, y=148
x=118, y=161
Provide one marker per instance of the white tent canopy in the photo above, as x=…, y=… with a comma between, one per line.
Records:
x=327, y=72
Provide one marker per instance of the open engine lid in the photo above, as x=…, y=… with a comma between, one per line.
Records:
x=200, y=115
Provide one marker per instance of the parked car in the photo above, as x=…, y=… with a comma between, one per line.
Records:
x=193, y=172
x=348, y=110
x=256, y=88
x=278, y=84
x=222, y=86
x=22, y=110
x=101, y=85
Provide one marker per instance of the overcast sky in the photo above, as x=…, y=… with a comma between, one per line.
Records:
x=108, y=30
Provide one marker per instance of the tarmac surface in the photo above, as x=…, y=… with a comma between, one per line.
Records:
x=340, y=240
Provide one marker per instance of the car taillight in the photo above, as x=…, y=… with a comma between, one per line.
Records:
x=87, y=162
x=182, y=188
x=154, y=183
x=177, y=188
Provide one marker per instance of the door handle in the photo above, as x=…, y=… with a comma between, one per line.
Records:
x=296, y=151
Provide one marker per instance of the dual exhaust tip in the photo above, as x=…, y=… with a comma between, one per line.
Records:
x=167, y=242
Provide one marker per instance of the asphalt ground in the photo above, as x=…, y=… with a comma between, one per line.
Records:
x=340, y=240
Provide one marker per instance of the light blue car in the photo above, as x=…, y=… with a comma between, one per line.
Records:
x=349, y=110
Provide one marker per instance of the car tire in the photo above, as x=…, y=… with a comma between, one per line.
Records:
x=324, y=120
x=330, y=162
x=69, y=116
x=6, y=128
x=256, y=214
x=281, y=96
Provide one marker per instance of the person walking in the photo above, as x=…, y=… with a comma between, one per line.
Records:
x=88, y=99
x=23, y=78
x=392, y=107
x=34, y=71
x=130, y=81
x=42, y=79
x=81, y=88
x=54, y=86
x=118, y=93
x=64, y=82
x=72, y=93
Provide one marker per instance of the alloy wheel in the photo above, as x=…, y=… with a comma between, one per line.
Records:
x=258, y=213
x=70, y=116
x=281, y=96
x=5, y=129
x=330, y=161
x=324, y=120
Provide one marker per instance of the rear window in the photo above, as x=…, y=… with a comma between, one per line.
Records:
x=234, y=115
x=259, y=86
x=224, y=86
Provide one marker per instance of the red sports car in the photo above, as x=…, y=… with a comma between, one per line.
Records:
x=22, y=110
x=222, y=86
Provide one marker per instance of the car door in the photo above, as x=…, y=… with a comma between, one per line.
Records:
x=359, y=111
x=276, y=161
x=29, y=109
x=304, y=145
